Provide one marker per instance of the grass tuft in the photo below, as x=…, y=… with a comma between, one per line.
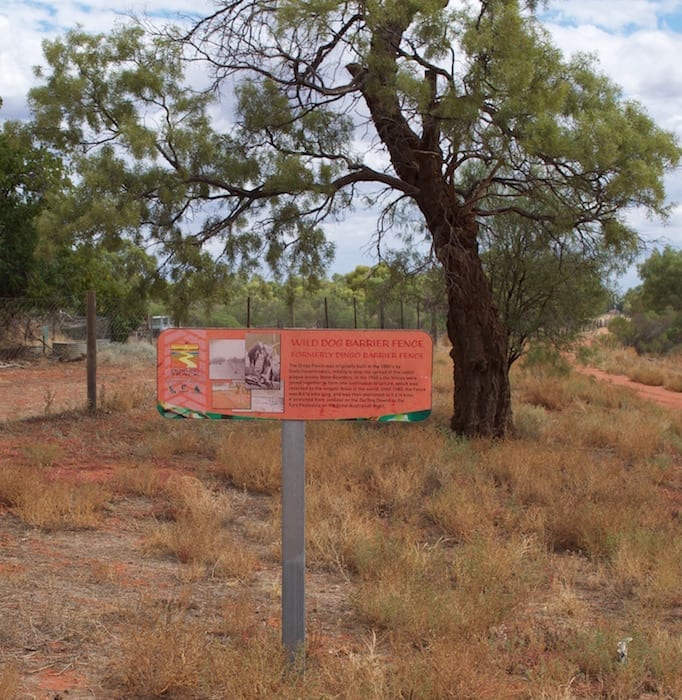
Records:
x=197, y=532
x=52, y=505
x=160, y=657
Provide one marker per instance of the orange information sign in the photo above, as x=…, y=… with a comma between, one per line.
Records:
x=294, y=374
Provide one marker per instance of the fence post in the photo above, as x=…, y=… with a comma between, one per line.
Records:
x=91, y=348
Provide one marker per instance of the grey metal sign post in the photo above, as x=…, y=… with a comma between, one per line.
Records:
x=293, y=538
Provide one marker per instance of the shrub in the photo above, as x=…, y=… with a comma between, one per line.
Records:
x=650, y=332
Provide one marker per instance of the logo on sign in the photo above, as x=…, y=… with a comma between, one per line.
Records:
x=184, y=356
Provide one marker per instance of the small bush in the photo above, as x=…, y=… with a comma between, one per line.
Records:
x=650, y=375
x=127, y=353
x=673, y=382
x=649, y=332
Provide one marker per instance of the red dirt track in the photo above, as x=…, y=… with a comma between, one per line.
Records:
x=657, y=394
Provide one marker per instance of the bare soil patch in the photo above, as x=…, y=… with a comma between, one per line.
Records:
x=47, y=387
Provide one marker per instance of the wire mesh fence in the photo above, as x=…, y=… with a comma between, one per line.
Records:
x=44, y=343
x=44, y=366
x=322, y=311
x=35, y=328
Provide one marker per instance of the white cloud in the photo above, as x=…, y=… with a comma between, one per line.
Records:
x=645, y=64
x=617, y=16
x=25, y=23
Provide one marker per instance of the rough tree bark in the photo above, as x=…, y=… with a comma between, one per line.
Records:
x=482, y=394
x=482, y=397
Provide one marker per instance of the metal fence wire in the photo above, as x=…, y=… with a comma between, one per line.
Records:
x=34, y=328
x=31, y=328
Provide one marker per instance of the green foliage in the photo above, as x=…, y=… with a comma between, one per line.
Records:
x=288, y=158
x=546, y=288
x=655, y=306
x=546, y=359
x=649, y=331
x=661, y=276
x=359, y=299
x=128, y=89
x=27, y=171
x=506, y=129
x=123, y=279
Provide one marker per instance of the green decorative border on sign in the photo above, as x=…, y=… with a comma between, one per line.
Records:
x=179, y=412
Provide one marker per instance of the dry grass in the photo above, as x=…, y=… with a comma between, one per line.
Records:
x=9, y=681
x=653, y=371
x=437, y=567
x=48, y=504
x=43, y=454
x=673, y=381
x=198, y=532
x=161, y=655
x=249, y=455
x=138, y=478
x=124, y=398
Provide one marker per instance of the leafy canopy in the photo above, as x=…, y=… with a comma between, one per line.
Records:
x=27, y=172
x=661, y=275
x=481, y=87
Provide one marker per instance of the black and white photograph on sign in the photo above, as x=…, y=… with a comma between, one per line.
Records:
x=226, y=359
x=268, y=400
x=262, y=361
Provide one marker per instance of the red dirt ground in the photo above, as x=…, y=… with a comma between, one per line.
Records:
x=47, y=387
x=54, y=387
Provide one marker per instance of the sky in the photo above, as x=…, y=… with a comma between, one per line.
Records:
x=637, y=43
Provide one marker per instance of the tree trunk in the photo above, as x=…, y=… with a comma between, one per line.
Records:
x=482, y=396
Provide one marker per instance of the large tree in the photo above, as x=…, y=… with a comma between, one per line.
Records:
x=457, y=111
